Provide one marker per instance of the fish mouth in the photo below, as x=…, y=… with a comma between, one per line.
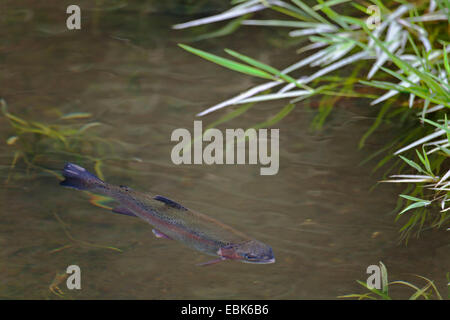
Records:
x=262, y=261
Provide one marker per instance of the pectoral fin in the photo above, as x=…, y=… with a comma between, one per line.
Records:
x=208, y=263
x=159, y=234
x=123, y=210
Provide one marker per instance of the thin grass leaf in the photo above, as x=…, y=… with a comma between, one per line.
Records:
x=435, y=108
x=421, y=141
x=230, y=64
x=446, y=63
x=445, y=128
x=306, y=61
x=432, y=285
x=374, y=290
x=311, y=46
x=413, y=164
x=224, y=31
x=411, y=176
x=276, y=96
x=394, y=88
x=242, y=96
x=405, y=284
x=330, y=13
x=384, y=279
x=409, y=180
x=230, y=14
x=16, y=119
x=353, y=58
x=415, y=205
x=444, y=178
x=290, y=10
x=421, y=292
x=328, y=4
x=359, y=296
x=335, y=52
x=411, y=198
x=393, y=35
x=316, y=30
x=310, y=11
x=265, y=67
x=280, y=23
x=425, y=163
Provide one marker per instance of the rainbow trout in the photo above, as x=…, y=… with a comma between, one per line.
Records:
x=171, y=220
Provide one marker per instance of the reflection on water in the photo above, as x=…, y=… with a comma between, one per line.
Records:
x=125, y=69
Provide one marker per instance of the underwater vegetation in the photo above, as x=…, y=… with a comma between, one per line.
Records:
x=33, y=141
x=39, y=145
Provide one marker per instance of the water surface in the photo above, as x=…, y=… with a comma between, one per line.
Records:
x=124, y=67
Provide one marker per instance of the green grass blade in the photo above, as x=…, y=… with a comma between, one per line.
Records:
x=384, y=279
x=374, y=290
x=310, y=11
x=266, y=68
x=230, y=64
x=411, y=198
x=333, y=15
x=413, y=164
x=224, y=31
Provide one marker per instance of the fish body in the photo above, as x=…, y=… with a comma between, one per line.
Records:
x=174, y=221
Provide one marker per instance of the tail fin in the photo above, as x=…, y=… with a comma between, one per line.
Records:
x=79, y=178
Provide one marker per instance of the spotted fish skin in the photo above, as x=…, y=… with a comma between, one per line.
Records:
x=173, y=220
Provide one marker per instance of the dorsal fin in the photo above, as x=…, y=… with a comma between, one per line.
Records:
x=169, y=202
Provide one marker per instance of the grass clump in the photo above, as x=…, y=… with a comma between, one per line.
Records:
x=37, y=144
x=426, y=292
x=406, y=52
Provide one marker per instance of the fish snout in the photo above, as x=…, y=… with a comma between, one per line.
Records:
x=249, y=252
x=264, y=256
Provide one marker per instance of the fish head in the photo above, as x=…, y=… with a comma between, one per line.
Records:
x=252, y=251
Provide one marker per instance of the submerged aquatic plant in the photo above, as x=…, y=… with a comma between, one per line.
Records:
x=409, y=48
x=36, y=143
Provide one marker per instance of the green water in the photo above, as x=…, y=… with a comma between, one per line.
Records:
x=124, y=67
